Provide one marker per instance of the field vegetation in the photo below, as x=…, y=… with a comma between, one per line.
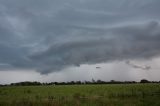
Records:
x=147, y=94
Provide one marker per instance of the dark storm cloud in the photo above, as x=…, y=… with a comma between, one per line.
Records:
x=131, y=42
x=51, y=35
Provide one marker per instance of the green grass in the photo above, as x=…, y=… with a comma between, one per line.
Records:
x=81, y=95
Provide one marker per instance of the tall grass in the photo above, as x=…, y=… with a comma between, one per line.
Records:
x=81, y=95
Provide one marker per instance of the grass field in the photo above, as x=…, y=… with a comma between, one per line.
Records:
x=81, y=95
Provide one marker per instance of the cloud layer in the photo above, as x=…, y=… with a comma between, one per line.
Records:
x=51, y=35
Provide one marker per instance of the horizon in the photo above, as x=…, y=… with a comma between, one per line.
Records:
x=92, y=81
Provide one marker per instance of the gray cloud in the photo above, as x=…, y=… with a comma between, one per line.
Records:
x=52, y=35
x=138, y=66
x=131, y=42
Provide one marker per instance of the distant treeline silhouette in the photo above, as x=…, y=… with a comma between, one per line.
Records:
x=35, y=83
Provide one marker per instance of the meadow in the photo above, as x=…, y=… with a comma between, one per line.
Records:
x=81, y=95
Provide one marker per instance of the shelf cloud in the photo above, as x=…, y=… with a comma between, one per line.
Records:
x=52, y=35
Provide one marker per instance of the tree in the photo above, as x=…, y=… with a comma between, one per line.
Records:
x=144, y=81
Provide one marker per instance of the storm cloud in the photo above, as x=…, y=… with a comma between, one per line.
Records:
x=52, y=35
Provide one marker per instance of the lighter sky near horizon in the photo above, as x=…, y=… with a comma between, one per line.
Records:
x=64, y=40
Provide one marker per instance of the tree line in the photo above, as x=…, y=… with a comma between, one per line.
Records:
x=35, y=83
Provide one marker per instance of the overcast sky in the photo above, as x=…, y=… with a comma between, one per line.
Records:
x=63, y=40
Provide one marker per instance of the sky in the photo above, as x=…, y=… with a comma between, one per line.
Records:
x=64, y=40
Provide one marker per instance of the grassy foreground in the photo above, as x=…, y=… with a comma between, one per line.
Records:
x=81, y=95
